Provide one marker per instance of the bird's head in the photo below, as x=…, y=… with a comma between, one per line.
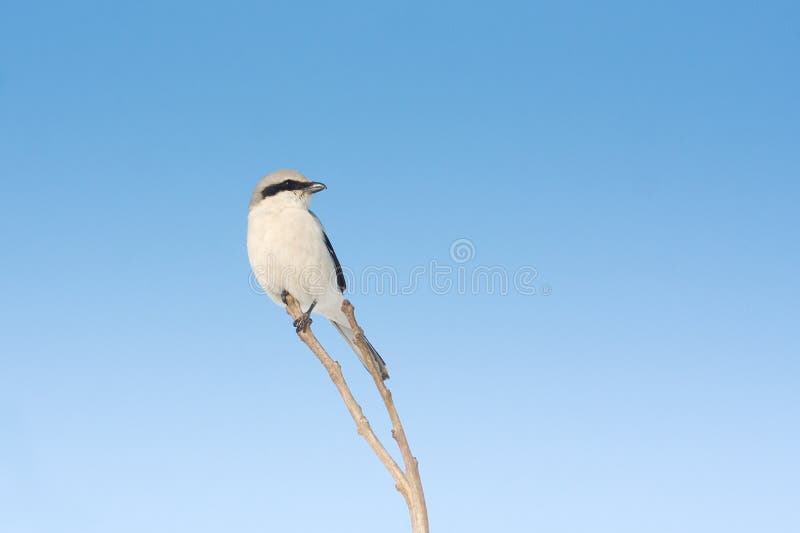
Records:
x=284, y=188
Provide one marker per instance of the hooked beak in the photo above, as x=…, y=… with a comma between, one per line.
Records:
x=315, y=186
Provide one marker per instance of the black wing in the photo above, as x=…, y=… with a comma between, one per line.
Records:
x=340, y=281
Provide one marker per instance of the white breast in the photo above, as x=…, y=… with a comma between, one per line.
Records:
x=287, y=252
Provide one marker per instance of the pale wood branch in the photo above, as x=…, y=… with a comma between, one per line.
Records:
x=407, y=482
x=416, y=498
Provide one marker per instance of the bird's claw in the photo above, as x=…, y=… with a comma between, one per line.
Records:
x=304, y=320
x=302, y=323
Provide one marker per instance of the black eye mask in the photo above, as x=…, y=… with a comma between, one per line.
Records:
x=287, y=185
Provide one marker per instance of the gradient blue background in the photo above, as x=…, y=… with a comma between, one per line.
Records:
x=642, y=156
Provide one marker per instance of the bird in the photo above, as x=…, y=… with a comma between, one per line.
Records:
x=290, y=252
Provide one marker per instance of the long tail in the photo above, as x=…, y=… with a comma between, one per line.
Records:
x=349, y=335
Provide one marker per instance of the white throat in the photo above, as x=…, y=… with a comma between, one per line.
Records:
x=284, y=200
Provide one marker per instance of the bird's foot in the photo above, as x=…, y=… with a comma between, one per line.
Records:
x=302, y=323
x=284, y=294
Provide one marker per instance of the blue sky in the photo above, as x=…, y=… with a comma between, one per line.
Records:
x=642, y=157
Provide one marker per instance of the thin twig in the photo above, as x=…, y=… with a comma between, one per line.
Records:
x=335, y=373
x=416, y=498
x=407, y=482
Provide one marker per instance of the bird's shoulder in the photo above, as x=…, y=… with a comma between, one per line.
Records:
x=340, y=279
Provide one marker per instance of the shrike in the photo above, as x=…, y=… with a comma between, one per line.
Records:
x=290, y=253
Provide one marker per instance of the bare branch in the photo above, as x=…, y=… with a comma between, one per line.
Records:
x=335, y=373
x=416, y=497
x=407, y=482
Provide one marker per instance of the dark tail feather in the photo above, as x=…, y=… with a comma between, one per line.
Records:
x=349, y=335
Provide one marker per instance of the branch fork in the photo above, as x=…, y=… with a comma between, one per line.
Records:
x=407, y=481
